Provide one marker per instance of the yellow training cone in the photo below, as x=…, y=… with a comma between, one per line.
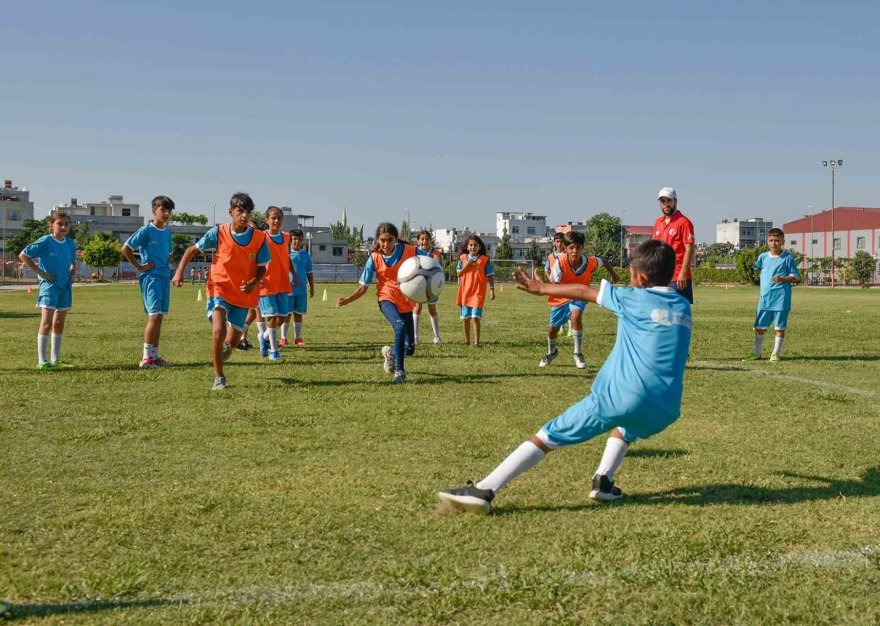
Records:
x=199, y=296
x=502, y=286
x=324, y=297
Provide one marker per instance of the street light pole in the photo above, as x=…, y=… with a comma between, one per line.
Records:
x=833, y=164
x=215, y=214
x=622, y=227
x=408, y=223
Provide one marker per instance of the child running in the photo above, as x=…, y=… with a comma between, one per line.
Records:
x=56, y=254
x=571, y=267
x=635, y=395
x=301, y=266
x=558, y=249
x=240, y=258
x=386, y=258
x=778, y=273
x=153, y=243
x=426, y=248
x=474, y=272
x=275, y=286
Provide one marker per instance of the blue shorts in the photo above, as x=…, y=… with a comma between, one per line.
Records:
x=275, y=306
x=585, y=420
x=763, y=319
x=559, y=315
x=235, y=315
x=298, y=304
x=468, y=312
x=54, y=297
x=156, y=293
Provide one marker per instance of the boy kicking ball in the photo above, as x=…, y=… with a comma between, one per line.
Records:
x=635, y=395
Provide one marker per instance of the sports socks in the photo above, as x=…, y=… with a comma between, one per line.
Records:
x=56, y=347
x=154, y=351
x=578, y=336
x=759, y=343
x=42, y=348
x=435, y=325
x=615, y=450
x=551, y=345
x=285, y=328
x=416, y=327
x=272, y=336
x=297, y=330
x=148, y=351
x=777, y=346
x=261, y=327
x=523, y=458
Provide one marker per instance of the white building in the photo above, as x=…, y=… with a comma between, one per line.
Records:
x=115, y=216
x=749, y=233
x=520, y=225
x=16, y=207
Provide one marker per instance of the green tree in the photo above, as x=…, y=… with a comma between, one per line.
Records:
x=745, y=264
x=535, y=253
x=102, y=253
x=259, y=220
x=81, y=234
x=179, y=244
x=603, y=238
x=864, y=267
x=505, y=251
x=720, y=253
x=31, y=230
x=353, y=236
x=188, y=219
x=843, y=269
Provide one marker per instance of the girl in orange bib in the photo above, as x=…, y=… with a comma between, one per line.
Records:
x=274, y=301
x=475, y=274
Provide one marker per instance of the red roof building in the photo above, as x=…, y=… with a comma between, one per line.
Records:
x=855, y=229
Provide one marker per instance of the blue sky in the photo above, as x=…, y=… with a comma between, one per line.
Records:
x=454, y=111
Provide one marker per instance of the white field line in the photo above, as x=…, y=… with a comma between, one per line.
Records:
x=396, y=590
x=797, y=379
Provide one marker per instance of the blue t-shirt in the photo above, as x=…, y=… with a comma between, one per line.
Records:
x=154, y=245
x=775, y=296
x=490, y=269
x=370, y=270
x=301, y=263
x=210, y=240
x=54, y=257
x=644, y=373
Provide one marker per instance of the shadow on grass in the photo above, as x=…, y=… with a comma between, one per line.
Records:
x=422, y=378
x=854, y=357
x=655, y=453
x=24, y=611
x=12, y=315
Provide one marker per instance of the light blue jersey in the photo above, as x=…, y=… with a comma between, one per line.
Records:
x=369, y=272
x=301, y=262
x=53, y=257
x=210, y=241
x=775, y=296
x=154, y=246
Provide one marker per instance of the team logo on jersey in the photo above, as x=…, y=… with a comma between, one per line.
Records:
x=661, y=318
x=672, y=231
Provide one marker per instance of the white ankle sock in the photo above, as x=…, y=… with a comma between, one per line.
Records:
x=523, y=458
x=777, y=347
x=578, y=336
x=416, y=327
x=285, y=328
x=56, y=347
x=759, y=343
x=42, y=348
x=435, y=325
x=615, y=450
x=297, y=330
x=148, y=351
x=273, y=338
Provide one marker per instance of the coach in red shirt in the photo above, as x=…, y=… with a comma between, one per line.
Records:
x=678, y=231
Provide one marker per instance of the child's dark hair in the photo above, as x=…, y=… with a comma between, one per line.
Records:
x=58, y=214
x=385, y=228
x=480, y=243
x=241, y=200
x=276, y=209
x=775, y=232
x=577, y=239
x=296, y=232
x=656, y=260
x=162, y=202
x=559, y=237
x=426, y=232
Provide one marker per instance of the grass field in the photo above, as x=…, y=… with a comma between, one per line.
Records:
x=306, y=492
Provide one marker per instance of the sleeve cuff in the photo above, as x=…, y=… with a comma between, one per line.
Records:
x=602, y=287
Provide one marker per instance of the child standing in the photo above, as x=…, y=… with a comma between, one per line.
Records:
x=778, y=273
x=635, y=395
x=386, y=258
x=275, y=286
x=238, y=266
x=426, y=248
x=56, y=254
x=153, y=242
x=475, y=273
x=571, y=267
x=301, y=266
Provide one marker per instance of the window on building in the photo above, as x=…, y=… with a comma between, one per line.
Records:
x=860, y=243
x=14, y=216
x=322, y=247
x=514, y=230
x=531, y=230
x=91, y=210
x=337, y=251
x=792, y=242
x=837, y=244
x=815, y=241
x=126, y=212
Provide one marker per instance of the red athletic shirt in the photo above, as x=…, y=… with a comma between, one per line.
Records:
x=677, y=233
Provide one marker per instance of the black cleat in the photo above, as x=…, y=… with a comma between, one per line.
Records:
x=469, y=498
x=604, y=489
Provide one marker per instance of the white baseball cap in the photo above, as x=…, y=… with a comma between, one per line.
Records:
x=667, y=192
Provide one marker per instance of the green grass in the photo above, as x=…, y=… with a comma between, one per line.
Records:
x=306, y=492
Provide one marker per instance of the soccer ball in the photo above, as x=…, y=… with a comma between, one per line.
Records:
x=420, y=278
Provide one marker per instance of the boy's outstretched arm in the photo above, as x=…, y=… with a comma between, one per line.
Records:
x=614, y=277
x=539, y=288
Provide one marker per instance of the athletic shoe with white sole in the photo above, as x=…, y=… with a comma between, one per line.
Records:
x=604, y=489
x=388, y=355
x=275, y=356
x=548, y=358
x=219, y=383
x=579, y=361
x=469, y=498
x=437, y=341
x=399, y=377
x=160, y=362
x=774, y=358
x=148, y=364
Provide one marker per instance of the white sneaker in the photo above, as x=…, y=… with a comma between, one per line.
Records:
x=387, y=354
x=579, y=361
x=548, y=358
x=437, y=341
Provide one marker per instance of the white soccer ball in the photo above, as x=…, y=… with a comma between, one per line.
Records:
x=421, y=278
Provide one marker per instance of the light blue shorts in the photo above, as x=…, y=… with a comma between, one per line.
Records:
x=585, y=420
x=764, y=318
x=559, y=315
x=54, y=297
x=275, y=306
x=235, y=315
x=298, y=304
x=156, y=293
x=468, y=312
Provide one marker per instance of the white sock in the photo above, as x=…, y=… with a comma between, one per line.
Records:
x=261, y=327
x=615, y=450
x=154, y=351
x=435, y=325
x=273, y=339
x=777, y=347
x=285, y=328
x=416, y=327
x=56, y=347
x=551, y=345
x=523, y=458
x=578, y=336
x=759, y=343
x=42, y=347
x=297, y=330
x=148, y=351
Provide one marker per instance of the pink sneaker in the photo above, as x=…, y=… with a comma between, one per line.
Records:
x=283, y=342
x=299, y=342
x=160, y=362
x=147, y=364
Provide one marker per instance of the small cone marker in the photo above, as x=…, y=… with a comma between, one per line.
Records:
x=30, y=289
x=199, y=296
x=324, y=297
x=502, y=286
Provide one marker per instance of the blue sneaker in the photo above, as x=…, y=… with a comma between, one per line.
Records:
x=264, y=345
x=275, y=356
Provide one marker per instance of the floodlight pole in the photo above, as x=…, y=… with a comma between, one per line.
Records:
x=622, y=227
x=833, y=164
